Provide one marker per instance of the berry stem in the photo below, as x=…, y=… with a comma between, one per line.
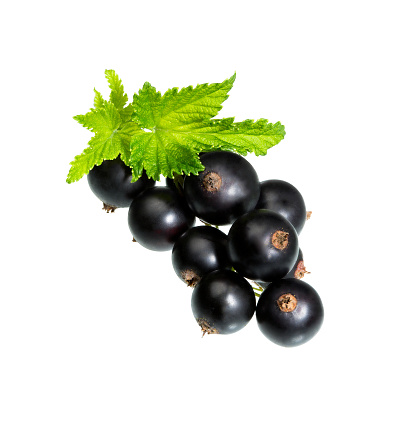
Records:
x=209, y=225
x=256, y=288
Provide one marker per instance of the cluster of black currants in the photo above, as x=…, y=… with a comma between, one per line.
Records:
x=261, y=247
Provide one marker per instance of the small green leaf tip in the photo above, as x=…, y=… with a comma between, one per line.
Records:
x=164, y=134
x=117, y=96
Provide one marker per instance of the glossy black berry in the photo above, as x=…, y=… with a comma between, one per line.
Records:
x=263, y=245
x=227, y=188
x=297, y=271
x=223, y=302
x=111, y=183
x=282, y=197
x=198, y=251
x=289, y=312
x=157, y=217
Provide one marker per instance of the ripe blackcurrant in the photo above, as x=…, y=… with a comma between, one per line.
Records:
x=282, y=197
x=263, y=245
x=111, y=183
x=198, y=251
x=157, y=217
x=289, y=312
x=227, y=188
x=223, y=302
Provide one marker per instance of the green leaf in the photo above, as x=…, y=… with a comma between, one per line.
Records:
x=165, y=152
x=177, y=108
x=164, y=134
x=241, y=137
x=111, y=139
x=167, y=148
x=178, y=126
x=98, y=99
x=117, y=95
x=111, y=122
x=100, y=120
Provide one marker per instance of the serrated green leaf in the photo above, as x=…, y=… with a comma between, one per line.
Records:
x=93, y=155
x=165, y=152
x=117, y=95
x=241, y=137
x=168, y=147
x=111, y=139
x=101, y=120
x=111, y=122
x=162, y=153
x=179, y=126
x=163, y=134
x=178, y=108
x=193, y=104
x=98, y=99
x=146, y=106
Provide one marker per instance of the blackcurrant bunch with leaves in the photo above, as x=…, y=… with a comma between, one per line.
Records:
x=254, y=269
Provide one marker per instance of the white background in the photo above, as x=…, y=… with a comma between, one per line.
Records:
x=97, y=332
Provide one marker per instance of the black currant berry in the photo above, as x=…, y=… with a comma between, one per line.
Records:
x=227, y=188
x=198, y=251
x=223, y=302
x=282, y=197
x=111, y=183
x=297, y=271
x=289, y=312
x=157, y=217
x=263, y=245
